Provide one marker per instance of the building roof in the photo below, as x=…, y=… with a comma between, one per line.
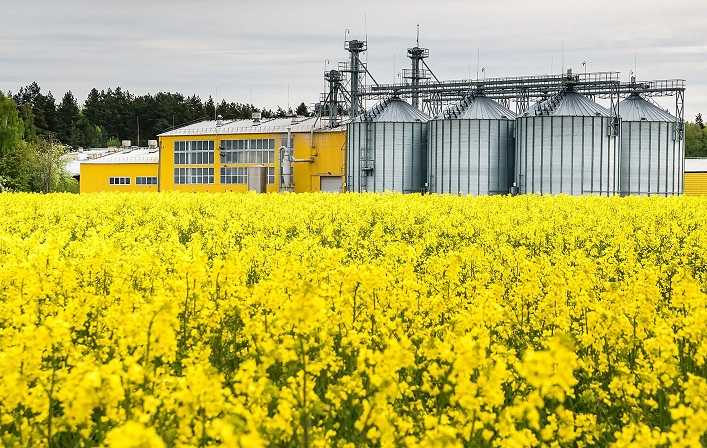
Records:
x=76, y=158
x=394, y=110
x=478, y=107
x=696, y=165
x=567, y=104
x=133, y=155
x=249, y=126
x=636, y=108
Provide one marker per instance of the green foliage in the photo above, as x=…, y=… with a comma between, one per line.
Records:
x=695, y=138
x=4, y=186
x=43, y=107
x=27, y=116
x=67, y=121
x=49, y=167
x=118, y=113
x=67, y=184
x=11, y=127
x=280, y=113
x=18, y=167
x=302, y=110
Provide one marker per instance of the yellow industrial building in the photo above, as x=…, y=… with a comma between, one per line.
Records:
x=215, y=155
x=695, y=176
x=130, y=169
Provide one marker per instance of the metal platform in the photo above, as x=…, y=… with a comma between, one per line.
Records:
x=432, y=96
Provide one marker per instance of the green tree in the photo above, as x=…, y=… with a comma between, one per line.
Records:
x=210, y=109
x=90, y=135
x=67, y=120
x=67, y=184
x=27, y=116
x=695, y=139
x=302, y=110
x=50, y=167
x=43, y=107
x=18, y=167
x=11, y=127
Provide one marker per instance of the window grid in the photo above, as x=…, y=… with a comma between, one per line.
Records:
x=118, y=180
x=193, y=176
x=194, y=152
x=239, y=175
x=271, y=175
x=283, y=142
x=255, y=150
x=146, y=180
x=234, y=175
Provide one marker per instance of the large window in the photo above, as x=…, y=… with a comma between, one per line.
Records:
x=193, y=176
x=283, y=142
x=239, y=175
x=234, y=175
x=255, y=150
x=118, y=181
x=145, y=180
x=199, y=152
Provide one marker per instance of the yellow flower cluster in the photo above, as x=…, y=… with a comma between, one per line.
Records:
x=314, y=320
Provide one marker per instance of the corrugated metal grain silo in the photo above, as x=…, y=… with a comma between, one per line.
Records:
x=564, y=145
x=652, y=150
x=386, y=149
x=471, y=148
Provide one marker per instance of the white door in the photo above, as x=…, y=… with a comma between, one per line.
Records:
x=330, y=183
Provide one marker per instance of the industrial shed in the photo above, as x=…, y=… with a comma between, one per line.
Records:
x=695, y=176
x=215, y=155
x=132, y=169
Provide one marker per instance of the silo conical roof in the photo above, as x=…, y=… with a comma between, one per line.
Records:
x=394, y=110
x=636, y=108
x=478, y=107
x=568, y=104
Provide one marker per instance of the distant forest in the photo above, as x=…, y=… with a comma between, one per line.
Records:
x=109, y=116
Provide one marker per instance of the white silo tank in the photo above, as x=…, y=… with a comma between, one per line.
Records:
x=565, y=145
x=652, y=149
x=471, y=148
x=386, y=149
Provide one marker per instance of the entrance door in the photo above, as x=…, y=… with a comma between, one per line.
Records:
x=330, y=184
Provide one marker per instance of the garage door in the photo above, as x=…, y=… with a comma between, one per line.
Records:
x=330, y=183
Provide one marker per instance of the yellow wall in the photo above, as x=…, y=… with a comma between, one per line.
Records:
x=94, y=176
x=327, y=153
x=695, y=184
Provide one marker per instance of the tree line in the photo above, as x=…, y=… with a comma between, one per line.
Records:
x=109, y=116
x=36, y=131
x=696, y=138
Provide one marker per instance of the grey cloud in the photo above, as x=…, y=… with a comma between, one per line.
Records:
x=197, y=47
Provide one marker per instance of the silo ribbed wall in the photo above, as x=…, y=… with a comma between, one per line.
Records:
x=386, y=156
x=652, y=161
x=470, y=156
x=566, y=155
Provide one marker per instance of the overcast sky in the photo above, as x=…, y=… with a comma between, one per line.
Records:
x=261, y=50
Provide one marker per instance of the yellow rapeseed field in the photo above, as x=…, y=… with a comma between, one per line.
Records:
x=313, y=320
